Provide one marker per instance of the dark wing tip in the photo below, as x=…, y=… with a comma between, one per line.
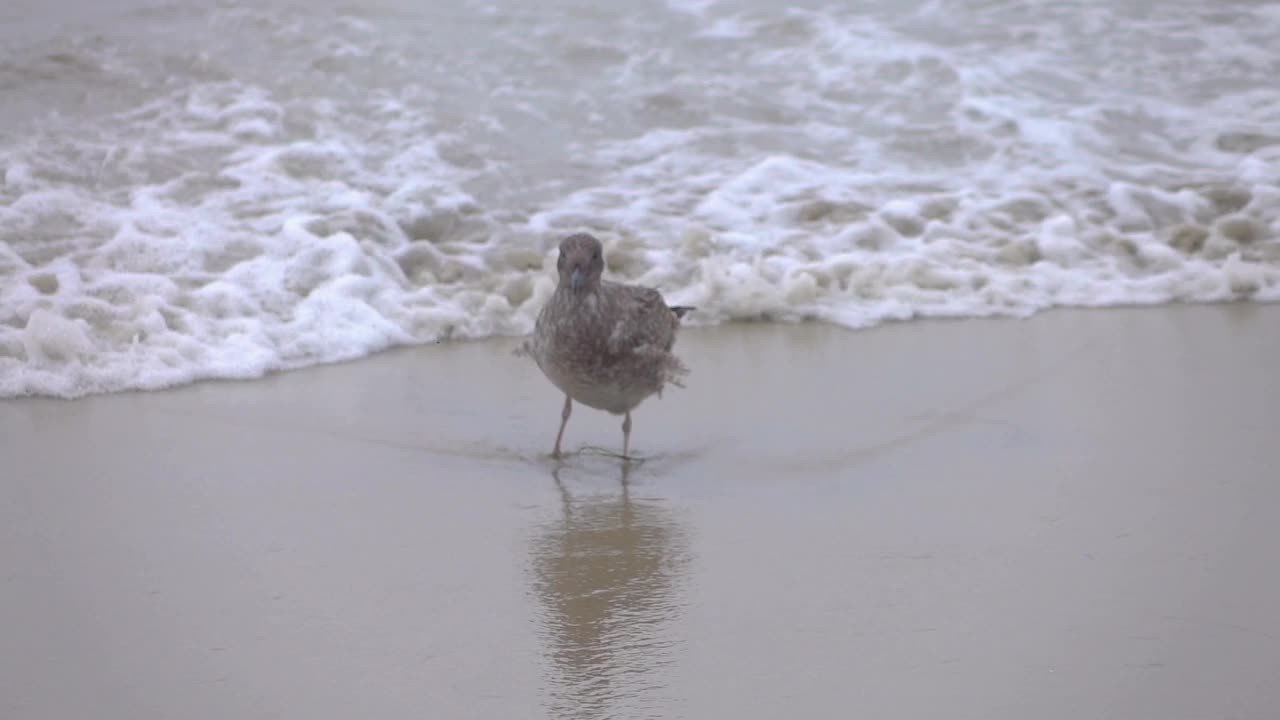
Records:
x=681, y=310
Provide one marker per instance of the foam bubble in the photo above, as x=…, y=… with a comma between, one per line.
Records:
x=52, y=338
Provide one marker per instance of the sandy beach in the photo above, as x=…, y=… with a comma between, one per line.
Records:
x=1070, y=516
x=888, y=513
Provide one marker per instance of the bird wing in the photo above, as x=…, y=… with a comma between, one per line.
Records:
x=644, y=322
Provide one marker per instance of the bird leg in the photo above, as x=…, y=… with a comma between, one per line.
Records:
x=626, y=436
x=564, y=420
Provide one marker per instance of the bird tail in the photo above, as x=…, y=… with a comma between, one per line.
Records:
x=680, y=310
x=674, y=372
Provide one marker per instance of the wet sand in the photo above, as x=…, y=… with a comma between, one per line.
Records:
x=1066, y=517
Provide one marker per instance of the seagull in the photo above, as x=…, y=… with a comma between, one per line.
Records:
x=604, y=344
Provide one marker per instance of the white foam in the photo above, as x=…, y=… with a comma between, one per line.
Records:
x=692, y=7
x=50, y=338
x=785, y=164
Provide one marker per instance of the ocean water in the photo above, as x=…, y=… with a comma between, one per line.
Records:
x=221, y=189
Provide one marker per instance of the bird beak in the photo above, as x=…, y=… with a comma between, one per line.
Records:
x=575, y=280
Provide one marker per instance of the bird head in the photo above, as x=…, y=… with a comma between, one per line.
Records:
x=581, y=262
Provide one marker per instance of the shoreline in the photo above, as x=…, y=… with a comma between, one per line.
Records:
x=1057, y=517
x=1231, y=305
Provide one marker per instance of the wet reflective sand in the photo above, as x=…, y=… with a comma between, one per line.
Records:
x=1060, y=518
x=608, y=574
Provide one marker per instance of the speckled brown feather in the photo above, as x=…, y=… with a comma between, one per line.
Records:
x=606, y=345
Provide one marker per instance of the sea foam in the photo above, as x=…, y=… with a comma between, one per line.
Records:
x=780, y=164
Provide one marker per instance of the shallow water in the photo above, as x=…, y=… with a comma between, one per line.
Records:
x=220, y=189
x=607, y=575
x=1059, y=518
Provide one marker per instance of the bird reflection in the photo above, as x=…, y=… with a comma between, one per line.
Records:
x=607, y=574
